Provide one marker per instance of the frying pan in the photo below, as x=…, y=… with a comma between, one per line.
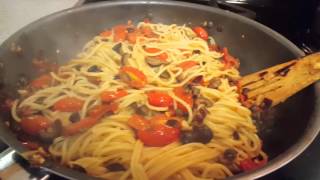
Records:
x=285, y=130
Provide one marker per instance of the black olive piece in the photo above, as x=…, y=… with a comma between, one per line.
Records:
x=79, y=168
x=115, y=167
x=49, y=134
x=130, y=29
x=197, y=80
x=172, y=123
x=165, y=75
x=154, y=62
x=235, y=135
x=142, y=110
x=125, y=59
x=200, y=114
x=232, y=81
x=77, y=67
x=117, y=48
x=186, y=137
x=230, y=154
x=14, y=125
x=201, y=100
x=74, y=117
x=202, y=133
x=116, y=77
x=22, y=81
x=94, y=68
x=214, y=83
x=266, y=103
x=197, y=51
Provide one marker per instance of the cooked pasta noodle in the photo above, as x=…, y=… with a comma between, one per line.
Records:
x=113, y=141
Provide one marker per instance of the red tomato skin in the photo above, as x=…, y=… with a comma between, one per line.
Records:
x=201, y=32
x=159, y=136
x=159, y=99
x=32, y=125
x=68, y=104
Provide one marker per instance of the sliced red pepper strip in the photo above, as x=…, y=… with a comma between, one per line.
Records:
x=163, y=56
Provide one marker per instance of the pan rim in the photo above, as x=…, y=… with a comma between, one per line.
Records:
x=304, y=141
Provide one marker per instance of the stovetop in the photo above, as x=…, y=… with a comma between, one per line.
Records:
x=299, y=21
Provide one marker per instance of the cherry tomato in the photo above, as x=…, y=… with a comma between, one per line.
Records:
x=159, y=99
x=162, y=56
x=99, y=111
x=187, y=65
x=147, y=32
x=107, y=96
x=249, y=164
x=42, y=81
x=201, y=32
x=119, y=33
x=229, y=61
x=162, y=119
x=133, y=77
x=186, y=97
x=159, y=135
x=138, y=122
x=34, y=124
x=68, y=104
x=80, y=126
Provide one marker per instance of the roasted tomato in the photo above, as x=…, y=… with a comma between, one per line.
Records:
x=68, y=104
x=34, y=124
x=138, y=122
x=158, y=136
x=183, y=95
x=42, y=81
x=159, y=99
x=201, y=32
x=133, y=77
x=108, y=96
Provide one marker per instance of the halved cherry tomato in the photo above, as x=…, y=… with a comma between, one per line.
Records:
x=42, y=81
x=138, y=122
x=186, y=97
x=249, y=164
x=133, y=77
x=106, y=33
x=107, y=96
x=68, y=104
x=162, y=56
x=80, y=126
x=228, y=60
x=187, y=65
x=159, y=99
x=100, y=110
x=120, y=33
x=201, y=32
x=159, y=135
x=132, y=37
x=34, y=124
x=147, y=31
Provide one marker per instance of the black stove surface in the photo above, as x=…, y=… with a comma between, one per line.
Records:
x=297, y=20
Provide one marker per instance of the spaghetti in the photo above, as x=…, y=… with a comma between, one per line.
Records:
x=153, y=101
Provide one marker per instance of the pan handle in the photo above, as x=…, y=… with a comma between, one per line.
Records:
x=13, y=166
